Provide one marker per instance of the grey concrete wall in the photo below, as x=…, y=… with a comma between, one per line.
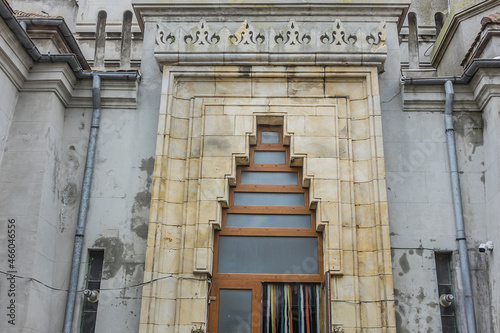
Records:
x=7, y=105
x=420, y=204
x=120, y=196
x=30, y=175
x=421, y=214
x=9, y=64
x=492, y=198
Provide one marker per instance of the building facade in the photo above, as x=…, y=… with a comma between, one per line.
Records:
x=249, y=166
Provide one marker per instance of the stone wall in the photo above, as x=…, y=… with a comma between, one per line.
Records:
x=331, y=120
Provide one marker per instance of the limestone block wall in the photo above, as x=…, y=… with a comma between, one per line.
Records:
x=207, y=122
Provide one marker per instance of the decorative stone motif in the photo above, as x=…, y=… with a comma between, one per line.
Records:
x=246, y=35
x=290, y=39
x=339, y=35
x=294, y=36
x=164, y=35
x=203, y=35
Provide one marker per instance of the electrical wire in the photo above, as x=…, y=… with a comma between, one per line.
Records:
x=104, y=289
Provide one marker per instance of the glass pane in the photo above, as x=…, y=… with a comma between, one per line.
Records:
x=448, y=324
x=96, y=259
x=235, y=311
x=269, y=137
x=269, y=178
x=88, y=324
x=443, y=268
x=268, y=221
x=269, y=199
x=269, y=157
x=268, y=255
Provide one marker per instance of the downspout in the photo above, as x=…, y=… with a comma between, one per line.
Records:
x=455, y=182
x=73, y=60
x=84, y=205
x=457, y=208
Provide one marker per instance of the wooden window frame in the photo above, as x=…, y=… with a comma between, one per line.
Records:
x=254, y=281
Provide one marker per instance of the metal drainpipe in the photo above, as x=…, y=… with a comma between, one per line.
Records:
x=19, y=30
x=84, y=205
x=457, y=208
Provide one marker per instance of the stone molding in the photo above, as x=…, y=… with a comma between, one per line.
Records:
x=60, y=79
x=57, y=78
x=431, y=98
x=115, y=94
x=471, y=97
x=14, y=60
x=485, y=85
x=277, y=42
x=312, y=11
x=451, y=26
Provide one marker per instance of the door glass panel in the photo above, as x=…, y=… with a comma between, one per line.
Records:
x=269, y=157
x=268, y=255
x=269, y=178
x=269, y=199
x=269, y=137
x=235, y=310
x=268, y=221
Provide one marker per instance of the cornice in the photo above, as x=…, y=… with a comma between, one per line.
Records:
x=431, y=98
x=451, y=26
x=115, y=94
x=14, y=61
x=486, y=85
x=57, y=78
x=363, y=10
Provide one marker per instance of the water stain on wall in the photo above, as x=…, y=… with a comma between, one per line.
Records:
x=113, y=255
x=403, y=262
x=142, y=201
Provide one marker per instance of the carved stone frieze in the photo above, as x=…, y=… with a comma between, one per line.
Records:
x=202, y=35
x=336, y=37
x=246, y=35
x=293, y=36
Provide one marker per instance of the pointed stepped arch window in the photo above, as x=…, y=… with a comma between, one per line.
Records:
x=268, y=261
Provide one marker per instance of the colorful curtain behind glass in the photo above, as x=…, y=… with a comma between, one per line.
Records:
x=291, y=308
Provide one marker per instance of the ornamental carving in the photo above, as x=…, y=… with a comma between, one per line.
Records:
x=202, y=35
x=293, y=36
x=246, y=35
x=339, y=35
x=330, y=38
